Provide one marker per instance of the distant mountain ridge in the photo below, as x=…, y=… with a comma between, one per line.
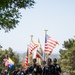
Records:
x=52, y=56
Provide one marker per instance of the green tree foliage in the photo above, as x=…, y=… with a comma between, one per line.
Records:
x=9, y=53
x=9, y=12
x=67, y=57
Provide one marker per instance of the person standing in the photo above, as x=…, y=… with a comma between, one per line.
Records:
x=6, y=72
x=35, y=69
x=57, y=67
x=15, y=71
x=49, y=68
x=21, y=72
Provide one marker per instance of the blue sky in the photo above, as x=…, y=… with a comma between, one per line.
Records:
x=56, y=16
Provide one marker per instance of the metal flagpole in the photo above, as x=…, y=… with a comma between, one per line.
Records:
x=31, y=38
x=31, y=54
x=28, y=53
x=45, y=54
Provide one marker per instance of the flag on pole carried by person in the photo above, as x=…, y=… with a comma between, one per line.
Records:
x=40, y=48
x=8, y=62
x=26, y=59
x=39, y=55
x=11, y=62
x=32, y=47
x=50, y=44
x=39, y=52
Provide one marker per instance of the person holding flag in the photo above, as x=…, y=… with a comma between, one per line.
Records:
x=15, y=72
x=35, y=69
x=49, y=68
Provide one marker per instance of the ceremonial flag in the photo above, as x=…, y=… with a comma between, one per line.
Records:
x=26, y=59
x=6, y=62
x=39, y=52
x=11, y=62
x=39, y=55
x=40, y=48
x=50, y=44
x=32, y=46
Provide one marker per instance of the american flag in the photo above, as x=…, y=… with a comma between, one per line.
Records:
x=25, y=63
x=32, y=46
x=26, y=60
x=50, y=44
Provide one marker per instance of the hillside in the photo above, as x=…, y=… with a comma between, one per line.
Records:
x=55, y=56
x=22, y=56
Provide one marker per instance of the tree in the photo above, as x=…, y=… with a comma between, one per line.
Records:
x=9, y=53
x=67, y=56
x=10, y=14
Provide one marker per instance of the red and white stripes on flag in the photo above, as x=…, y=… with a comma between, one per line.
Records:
x=50, y=44
x=32, y=46
x=26, y=60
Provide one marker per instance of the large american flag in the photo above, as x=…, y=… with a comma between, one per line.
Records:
x=32, y=46
x=50, y=44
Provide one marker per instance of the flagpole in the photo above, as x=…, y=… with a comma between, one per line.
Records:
x=31, y=38
x=22, y=60
x=28, y=52
x=45, y=54
x=39, y=60
x=46, y=31
x=31, y=54
x=7, y=59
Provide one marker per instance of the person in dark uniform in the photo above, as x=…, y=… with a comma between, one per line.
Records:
x=49, y=68
x=21, y=72
x=6, y=72
x=57, y=67
x=43, y=64
x=34, y=69
x=15, y=71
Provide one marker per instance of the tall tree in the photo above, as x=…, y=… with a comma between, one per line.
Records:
x=67, y=56
x=10, y=14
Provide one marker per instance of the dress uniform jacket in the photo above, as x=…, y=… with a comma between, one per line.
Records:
x=48, y=70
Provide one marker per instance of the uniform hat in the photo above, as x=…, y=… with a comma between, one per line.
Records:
x=49, y=60
x=44, y=62
x=55, y=60
x=34, y=60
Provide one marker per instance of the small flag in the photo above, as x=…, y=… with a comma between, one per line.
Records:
x=11, y=62
x=39, y=55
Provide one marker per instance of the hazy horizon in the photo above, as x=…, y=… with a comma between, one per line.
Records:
x=56, y=16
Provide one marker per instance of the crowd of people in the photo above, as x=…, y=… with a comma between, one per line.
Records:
x=48, y=67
